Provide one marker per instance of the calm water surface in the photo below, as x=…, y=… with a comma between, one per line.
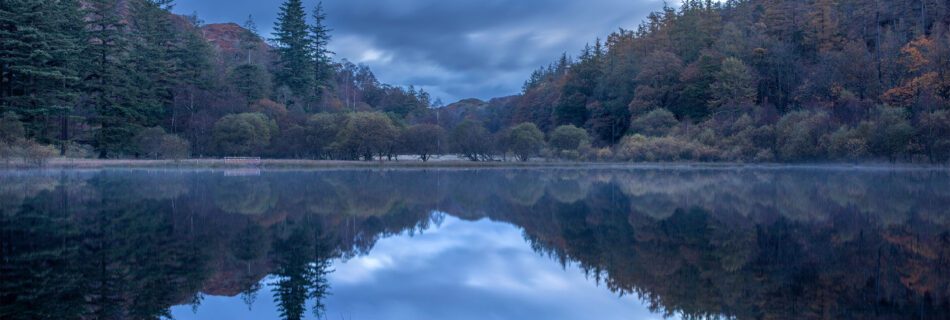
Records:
x=475, y=244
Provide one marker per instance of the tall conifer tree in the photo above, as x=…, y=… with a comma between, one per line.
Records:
x=294, y=44
x=106, y=79
x=322, y=56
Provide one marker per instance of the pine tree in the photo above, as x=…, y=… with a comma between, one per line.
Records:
x=39, y=45
x=106, y=79
x=154, y=59
x=250, y=80
x=319, y=40
x=193, y=71
x=250, y=40
x=294, y=44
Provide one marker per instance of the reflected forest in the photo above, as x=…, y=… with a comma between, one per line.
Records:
x=705, y=243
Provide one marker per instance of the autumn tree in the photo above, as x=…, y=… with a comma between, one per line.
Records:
x=657, y=83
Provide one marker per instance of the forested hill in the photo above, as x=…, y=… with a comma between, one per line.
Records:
x=127, y=78
x=767, y=79
x=739, y=80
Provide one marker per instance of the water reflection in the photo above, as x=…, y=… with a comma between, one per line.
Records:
x=747, y=244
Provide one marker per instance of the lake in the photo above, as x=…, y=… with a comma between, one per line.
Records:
x=546, y=243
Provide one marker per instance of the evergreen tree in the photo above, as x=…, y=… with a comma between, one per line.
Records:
x=154, y=59
x=294, y=44
x=319, y=40
x=107, y=79
x=250, y=81
x=193, y=76
x=250, y=40
x=39, y=57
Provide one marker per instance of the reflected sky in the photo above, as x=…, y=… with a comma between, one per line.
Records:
x=457, y=270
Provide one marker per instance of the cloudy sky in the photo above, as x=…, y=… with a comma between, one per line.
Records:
x=453, y=48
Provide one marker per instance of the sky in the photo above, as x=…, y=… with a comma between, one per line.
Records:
x=454, y=49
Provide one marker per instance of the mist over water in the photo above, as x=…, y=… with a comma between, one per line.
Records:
x=612, y=243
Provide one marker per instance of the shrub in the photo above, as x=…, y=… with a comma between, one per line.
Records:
x=322, y=131
x=154, y=143
x=848, y=144
x=424, y=140
x=798, y=135
x=75, y=150
x=658, y=122
x=746, y=143
x=367, y=134
x=568, y=138
x=174, y=147
x=471, y=140
x=11, y=129
x=603, y=154
x=935, y=135
x=37, y=154
x=641, y=148
x=243, y=134
x=526, y=141
x=890, y=133
x=6, y=152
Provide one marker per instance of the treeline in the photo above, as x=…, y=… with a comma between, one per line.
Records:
x=760, y=80
x=740, y=80
x=129, y=79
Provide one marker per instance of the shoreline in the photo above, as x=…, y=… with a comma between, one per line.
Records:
x=291, y=164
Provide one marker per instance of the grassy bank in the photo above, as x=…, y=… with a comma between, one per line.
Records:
x=67, y=163
x=64, y=163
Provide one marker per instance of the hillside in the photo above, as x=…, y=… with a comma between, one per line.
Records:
x=760, y=80
x=740, y=80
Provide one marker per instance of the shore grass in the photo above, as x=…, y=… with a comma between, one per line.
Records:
x=69, y=163
x=66, y=163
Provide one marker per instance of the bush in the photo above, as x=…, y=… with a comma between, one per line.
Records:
x=367, y=134
x=641, y=148
x=174, y=147
x=935, y=135
x=37, y=154
x=526, y=141
x=890, y=133
x=471, y=140
x=423, y=140
x=80, y=151
x=848, y=144
x=658, y=122
x=243, y=134
x=6, y=152
x=322, y=131
x=154, y=143
x=746, y=143
x=602, y=154
x=799, y=134
x=11, y=129
x=568, y=138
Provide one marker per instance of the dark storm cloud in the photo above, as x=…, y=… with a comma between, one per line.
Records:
x=454, y=49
